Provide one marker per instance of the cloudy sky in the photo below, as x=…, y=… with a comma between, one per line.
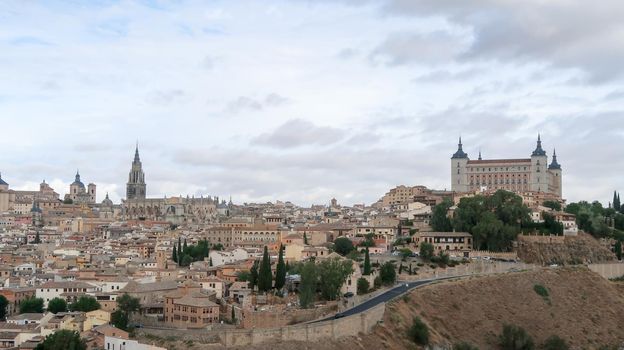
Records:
x=307, y=100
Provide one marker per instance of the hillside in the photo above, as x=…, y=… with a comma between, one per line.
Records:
x=572, y=250
x=583, y=308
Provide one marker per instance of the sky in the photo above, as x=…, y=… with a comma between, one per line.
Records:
x=307, y=100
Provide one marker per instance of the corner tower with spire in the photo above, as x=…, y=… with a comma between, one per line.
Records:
x=136, y=187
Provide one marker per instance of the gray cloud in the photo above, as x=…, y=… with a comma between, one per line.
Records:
x=405, y=48
x=566, y=34
x=274, y=99
x=299, y=132
x=243, y=103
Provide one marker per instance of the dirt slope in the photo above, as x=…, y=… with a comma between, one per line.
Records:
x=583, y=308
x=575, y=250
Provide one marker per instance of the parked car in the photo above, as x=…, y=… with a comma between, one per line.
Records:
x=348, y=295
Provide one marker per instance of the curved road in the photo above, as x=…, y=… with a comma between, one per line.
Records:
x=382, y=298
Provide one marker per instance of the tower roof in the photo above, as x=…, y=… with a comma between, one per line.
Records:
x=538, y=149
x=137, y=159
x=554, y=165
x=2, y=182
x=77, y=180
x=460, y=154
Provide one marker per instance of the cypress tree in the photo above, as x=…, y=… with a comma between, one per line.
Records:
x=179, y=250
x=280, y=270
x=265, y=279
x=185, y=247
x=37, y=238
x=619, y=204
x=367, y=264
x=253, y=275
x=206, y=249
x=305, y=238
x=615, y=203
x=174, y=256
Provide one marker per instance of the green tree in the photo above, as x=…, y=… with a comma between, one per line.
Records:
x=57, y=305
x=440, y=222
x=419, y=332
x=305, y=238
x=515, y=338
x=280, y=270
x=343, y=245
x=333, y=273
x=618, y=249
x=185, y=247
x=362, y=285
x=179, y=251
x=120, y=320
x=243, y=276
x=265, y=277
x=367, y=263
x=85, y=303
x=426, y=251
x=37, y=238
x=554, y=205
x=307, y=287
x=218, y=247
x=186, y=260
x=62, y=340
x=4, y=303
x=253, y=275
x=31, y=305
x=405, y=253
x=387, y=273
x=128, y=304
x=555, y=343
x=174, y=256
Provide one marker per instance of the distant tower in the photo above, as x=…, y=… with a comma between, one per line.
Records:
x=539, y=164
x=135, y=188
x=555, y=171
x=459, y=160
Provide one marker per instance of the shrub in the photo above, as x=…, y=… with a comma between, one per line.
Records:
x=387, y=273
x=555, y=343
x=515, y=338
x=464, y=346
x=419, y=332
x=377, y=282
x=362, y=285
x=541, y=290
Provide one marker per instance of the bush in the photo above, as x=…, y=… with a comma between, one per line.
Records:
x=515, y=338
x=464, y=346
x=387, y=273
x=362, y=285
x=419, y=332
x=377, y=282
x=541, y=290
x=555, y=343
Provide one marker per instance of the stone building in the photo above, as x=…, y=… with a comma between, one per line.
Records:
x=532, y=174
x=175, y=210
x=79, y=194
x=191, y=307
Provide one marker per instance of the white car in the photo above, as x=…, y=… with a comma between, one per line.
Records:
x=487, y=258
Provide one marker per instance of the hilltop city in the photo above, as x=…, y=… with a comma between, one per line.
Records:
x=133, y=275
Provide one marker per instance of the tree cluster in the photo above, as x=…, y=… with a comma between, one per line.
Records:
x=325, y=278
x=184, y=254
x=494, y=221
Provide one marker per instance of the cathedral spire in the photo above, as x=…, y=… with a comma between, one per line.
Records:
x=136, y=153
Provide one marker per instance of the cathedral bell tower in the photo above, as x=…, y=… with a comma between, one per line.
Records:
x=135, y=188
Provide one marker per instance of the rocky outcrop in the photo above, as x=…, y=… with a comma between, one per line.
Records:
x=569, y=250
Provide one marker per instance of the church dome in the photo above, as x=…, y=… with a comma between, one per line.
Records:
x=107, y=202
x=77, y=181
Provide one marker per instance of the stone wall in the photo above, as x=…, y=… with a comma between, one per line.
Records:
x=282, y=316
x=311, y=332
x=541, y=239
x=608, y=270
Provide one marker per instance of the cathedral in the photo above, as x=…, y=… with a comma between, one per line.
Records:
x=532, y=174
x=79, y=194
x=175, y=210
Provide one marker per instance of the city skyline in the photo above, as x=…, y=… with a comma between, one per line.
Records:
x=305, y=101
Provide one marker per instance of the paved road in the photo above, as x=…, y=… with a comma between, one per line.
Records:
x=381, y=298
